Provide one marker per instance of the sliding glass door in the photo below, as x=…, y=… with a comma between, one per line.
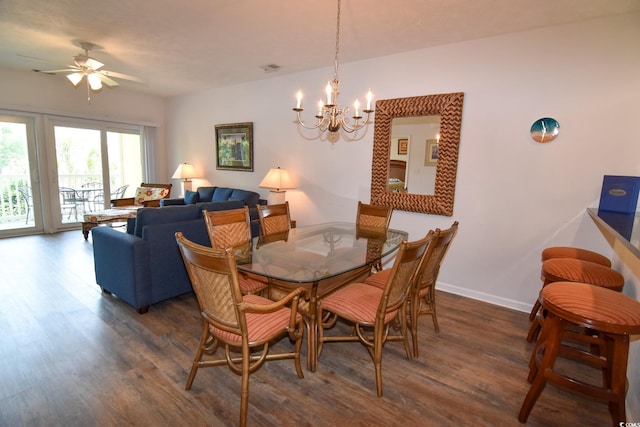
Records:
x=20, y=202
x=94, y=162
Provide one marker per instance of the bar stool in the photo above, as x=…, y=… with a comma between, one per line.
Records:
x=610, y=316
x=573, y=270
x=576, y=253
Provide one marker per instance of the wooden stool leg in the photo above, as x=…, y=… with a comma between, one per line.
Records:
x=534, y=311
x=552, y=332
x=534, y=329
x=617, y=355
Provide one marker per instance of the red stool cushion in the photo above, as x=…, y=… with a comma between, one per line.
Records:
x=575, y=270
x=577, y=253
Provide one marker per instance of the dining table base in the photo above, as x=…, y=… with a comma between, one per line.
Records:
x=308, y=307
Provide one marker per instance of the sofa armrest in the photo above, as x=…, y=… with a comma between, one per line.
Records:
x=122, y=265
x=172, y=202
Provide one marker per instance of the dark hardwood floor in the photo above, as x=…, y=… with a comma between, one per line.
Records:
x=70, y=356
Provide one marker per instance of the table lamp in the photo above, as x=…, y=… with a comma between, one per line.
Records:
x=278, y=180
x=185, y=172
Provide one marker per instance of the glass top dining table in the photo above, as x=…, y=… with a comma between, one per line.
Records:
x=320, y=258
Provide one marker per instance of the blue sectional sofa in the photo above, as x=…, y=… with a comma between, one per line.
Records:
x=143, y=266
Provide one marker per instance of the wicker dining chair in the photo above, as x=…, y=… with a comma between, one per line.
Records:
x=371, y=310
x=373, y=218
x=422, y=299
x=244, y=325
x=274, y=218
x=232, y=228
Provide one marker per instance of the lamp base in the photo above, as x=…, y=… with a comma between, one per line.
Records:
x=276, y=197
x=186, y=185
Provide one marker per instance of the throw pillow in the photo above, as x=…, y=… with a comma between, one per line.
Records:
x=191, y=197
x=221, y=194
x=206, y=193
x=149, y=193
x=249, y=198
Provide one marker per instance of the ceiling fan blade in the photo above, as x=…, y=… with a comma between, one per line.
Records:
x=120, y=76
x=66, y=70
x=33, y=58
x=106, y=80
x=93, y=64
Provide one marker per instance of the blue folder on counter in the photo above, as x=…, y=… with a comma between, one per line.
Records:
x=619, y=193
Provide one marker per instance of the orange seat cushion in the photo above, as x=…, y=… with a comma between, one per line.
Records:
x=262, y=327
x=357, y=302
x=594, y=307
x=575, y=270
x=577, y=253
x=379, y=279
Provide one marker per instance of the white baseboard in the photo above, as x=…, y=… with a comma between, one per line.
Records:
x=481, y=296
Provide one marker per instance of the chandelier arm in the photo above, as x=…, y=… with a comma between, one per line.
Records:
x=301, y=123
x=356, y=124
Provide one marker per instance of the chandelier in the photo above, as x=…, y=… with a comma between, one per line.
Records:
x=331, y=117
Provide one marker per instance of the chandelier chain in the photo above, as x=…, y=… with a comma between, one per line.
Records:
x=330, y=116
x=335, y=71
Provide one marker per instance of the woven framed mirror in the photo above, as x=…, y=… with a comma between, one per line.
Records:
x=449, y=107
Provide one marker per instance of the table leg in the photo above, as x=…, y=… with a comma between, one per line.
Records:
x=312, y=331
x=86, y=227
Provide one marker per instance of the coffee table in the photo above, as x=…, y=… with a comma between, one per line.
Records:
x=106, y=216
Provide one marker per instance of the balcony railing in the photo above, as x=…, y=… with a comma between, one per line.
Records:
x=16, y=196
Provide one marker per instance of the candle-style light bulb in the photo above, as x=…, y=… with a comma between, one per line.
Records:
x=320, y=108
x=299, y=96
x=356, y=105
x=369, y=97
x=328, y=89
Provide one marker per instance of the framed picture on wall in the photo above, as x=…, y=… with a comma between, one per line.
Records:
x=234, y=146
x=431, y=157
x=403, y=145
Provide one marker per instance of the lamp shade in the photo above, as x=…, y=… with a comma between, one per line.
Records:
x=184, y=171
x=277, y=179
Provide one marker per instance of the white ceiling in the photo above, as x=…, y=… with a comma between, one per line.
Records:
x=182, y=46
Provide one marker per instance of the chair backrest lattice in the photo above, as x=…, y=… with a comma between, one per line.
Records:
x=274, y=218
x=373, y=217
x=403, y=274
x=230, y=228
x=438, y=248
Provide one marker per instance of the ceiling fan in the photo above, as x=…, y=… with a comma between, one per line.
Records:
x=86, y=66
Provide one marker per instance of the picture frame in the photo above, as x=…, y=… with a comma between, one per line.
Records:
x=431, y=153
x=403, y=145
x=234, y=146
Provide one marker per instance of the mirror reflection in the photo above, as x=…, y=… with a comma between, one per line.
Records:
x=413, y=154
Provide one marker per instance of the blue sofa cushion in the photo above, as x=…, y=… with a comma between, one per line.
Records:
x=250, y=198
x=220, y=206
x=169, y=214
x=191, y=197
x=221, y=194
x=206, y=193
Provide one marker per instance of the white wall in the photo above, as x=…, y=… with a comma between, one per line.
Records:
x=513, y=196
